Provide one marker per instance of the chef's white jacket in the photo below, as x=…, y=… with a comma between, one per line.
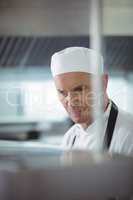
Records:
x=122, y=140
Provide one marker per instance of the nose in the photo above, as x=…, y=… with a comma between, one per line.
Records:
x=72, y=99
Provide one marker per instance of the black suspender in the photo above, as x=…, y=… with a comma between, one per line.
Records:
x=73, y=140
x=110, y=126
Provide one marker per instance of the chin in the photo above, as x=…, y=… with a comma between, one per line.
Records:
x=77, y=120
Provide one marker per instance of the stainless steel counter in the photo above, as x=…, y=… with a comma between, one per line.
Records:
x=39, y=173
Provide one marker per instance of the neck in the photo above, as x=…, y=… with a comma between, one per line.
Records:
x=91, y=120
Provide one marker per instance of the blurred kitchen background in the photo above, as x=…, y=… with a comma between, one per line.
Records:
x=30, y=32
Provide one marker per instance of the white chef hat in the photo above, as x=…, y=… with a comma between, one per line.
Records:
x=77, y=59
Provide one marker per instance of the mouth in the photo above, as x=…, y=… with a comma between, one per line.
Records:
x=76, y=113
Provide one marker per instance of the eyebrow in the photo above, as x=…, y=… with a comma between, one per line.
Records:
x=79, y=87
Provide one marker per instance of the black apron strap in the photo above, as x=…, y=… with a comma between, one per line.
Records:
x=110, y=125
x=73, y=140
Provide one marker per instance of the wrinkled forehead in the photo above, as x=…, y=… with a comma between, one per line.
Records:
x=70, y=80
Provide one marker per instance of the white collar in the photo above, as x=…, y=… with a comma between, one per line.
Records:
x=93, y=125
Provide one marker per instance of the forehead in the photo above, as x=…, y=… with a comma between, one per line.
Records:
x=70, y=80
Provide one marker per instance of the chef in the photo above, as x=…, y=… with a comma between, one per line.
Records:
x=74, y=70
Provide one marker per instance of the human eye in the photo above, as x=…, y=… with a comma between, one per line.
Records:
x=62, y=93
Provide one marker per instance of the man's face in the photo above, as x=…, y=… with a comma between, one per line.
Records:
x=76, y=94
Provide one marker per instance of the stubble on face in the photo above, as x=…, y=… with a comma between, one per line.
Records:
x=77, y=96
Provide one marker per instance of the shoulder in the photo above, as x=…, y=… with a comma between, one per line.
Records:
x=124, y=132
x=125, y=119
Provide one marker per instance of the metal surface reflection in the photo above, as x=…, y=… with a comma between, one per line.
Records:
x=50, y=173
